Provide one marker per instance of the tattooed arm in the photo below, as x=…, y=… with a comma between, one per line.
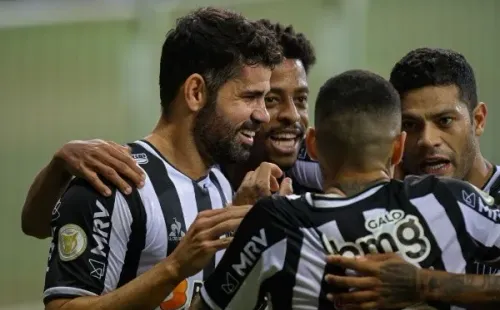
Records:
x=387, y=281
x=461, y=289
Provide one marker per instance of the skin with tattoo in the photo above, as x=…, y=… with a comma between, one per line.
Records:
x=387, y=281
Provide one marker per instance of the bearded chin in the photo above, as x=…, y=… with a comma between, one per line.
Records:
x=216, y=138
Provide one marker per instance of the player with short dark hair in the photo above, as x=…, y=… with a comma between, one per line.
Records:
x=153, y=247
x=281, y=246
x=444, y=120
x=281, y=140
x=286, y=103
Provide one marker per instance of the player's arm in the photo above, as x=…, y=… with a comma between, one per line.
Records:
x=89, y=250
x=255, y=255
x=86, y=159
x=388, y=281
x=306, y=171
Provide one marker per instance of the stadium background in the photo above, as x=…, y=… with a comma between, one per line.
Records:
x=83, y=69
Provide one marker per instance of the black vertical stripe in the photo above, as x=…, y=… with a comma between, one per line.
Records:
x=167, y=195
x=137, y=239
x=203, y=203
x=283, y=282
x=216, y=182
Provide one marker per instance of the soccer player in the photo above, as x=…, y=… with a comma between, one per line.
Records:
x=280, y=140
x=152, y=248
x=280, y=247
x=286, y=103
x=444, y=120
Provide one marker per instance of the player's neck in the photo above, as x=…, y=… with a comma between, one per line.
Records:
x=352, y=183
x=480, y=171
x=175, y=142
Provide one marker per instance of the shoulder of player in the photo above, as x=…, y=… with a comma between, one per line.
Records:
x=286, y=208
x=460, y=190
x=80, y=195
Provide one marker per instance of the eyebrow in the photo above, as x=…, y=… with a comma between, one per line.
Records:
x=253, y=93
x=429, y=114
x=302, y=89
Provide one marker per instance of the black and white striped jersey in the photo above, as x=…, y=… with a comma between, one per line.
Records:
x=101, y=243
x=280, y=247
x=491, y=187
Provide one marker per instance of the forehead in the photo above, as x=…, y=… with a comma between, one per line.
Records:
x=432, y=100
x=289, y=75
x=252, y=78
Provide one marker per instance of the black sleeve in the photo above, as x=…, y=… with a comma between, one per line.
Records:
x=79, y=254
x=255, y=255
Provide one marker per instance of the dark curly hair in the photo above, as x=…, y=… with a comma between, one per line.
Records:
x=435, y=67
x=295, y=45
x=214, y=43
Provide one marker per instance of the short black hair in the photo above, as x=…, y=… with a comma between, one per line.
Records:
x=295, y=45
x=357, y=116
x=214, y=43
x=435, y=67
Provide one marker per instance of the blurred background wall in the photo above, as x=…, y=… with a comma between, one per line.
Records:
x=87, y=69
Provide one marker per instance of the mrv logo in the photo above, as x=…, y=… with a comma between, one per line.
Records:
x=250, y=253
x=390, y=232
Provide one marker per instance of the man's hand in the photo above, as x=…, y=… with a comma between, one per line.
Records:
x=204, y=238
x=260, y=183
x=97, y=158
x=382, y=281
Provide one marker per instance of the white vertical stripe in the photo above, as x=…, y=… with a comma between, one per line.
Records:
x=309, y=273
x=443, y=230
x=121, y=221
x=332, y=231
x=271, y=261
x=493, y=178
x=155, y=248
x=224, y=183
x=479, y=226
x=217, y=203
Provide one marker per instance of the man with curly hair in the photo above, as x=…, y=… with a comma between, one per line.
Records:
x=153, y=247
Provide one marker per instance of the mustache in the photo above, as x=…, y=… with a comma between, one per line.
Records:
x=250, y=125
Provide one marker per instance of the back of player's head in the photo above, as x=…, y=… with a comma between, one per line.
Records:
x=435, y=67
x=357, y=118
x=295, y=45
x=214, y=43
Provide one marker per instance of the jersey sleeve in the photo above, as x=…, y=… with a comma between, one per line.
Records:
x=254, y=256
x=89, y=242
x=481, y=217
x=306, y=172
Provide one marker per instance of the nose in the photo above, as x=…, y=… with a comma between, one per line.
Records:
x=260, y=113
x=288, y=112
x=430, y=136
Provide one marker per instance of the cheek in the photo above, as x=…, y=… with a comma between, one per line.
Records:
x=304, y=119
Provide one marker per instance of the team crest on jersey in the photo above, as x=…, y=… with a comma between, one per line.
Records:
x=140, y=158
x=176, y=231
x=72, y=242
